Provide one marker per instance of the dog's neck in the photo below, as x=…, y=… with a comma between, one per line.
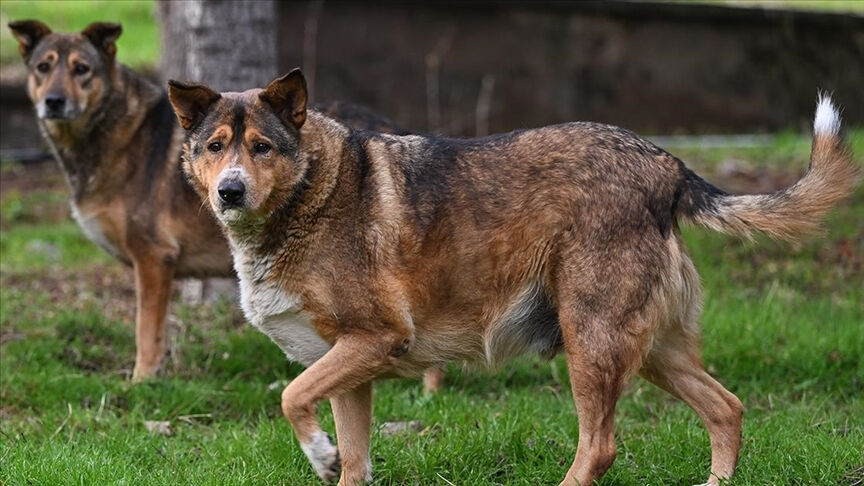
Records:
x=85, y=147
x=285, y=237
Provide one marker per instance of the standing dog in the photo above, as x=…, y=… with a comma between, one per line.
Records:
x=365, y=255
x=113, y=134
x=117, y=140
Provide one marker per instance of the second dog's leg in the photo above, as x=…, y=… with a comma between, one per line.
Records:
x=352, y=362
x=432, y=380
x=153, y=290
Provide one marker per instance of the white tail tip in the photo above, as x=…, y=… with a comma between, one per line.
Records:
x=827, y=121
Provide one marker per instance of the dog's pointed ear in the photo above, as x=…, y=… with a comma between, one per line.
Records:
x=28, y=33
x=104, y=35
x=287, y=96
x=190, y=102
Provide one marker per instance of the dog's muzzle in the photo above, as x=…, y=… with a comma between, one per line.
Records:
x=56, y=107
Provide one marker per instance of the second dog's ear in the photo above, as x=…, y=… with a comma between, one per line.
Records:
x=28, y=33
x=103, y=35
x=191, y=102
x=287, y=96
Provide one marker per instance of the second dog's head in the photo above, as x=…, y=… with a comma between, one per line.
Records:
x=242, y=152
x=68, y=74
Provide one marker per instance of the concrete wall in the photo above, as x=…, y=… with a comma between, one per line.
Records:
x=652, y=67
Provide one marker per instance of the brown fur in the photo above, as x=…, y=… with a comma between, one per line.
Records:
x=366, y=255
x=119, y=146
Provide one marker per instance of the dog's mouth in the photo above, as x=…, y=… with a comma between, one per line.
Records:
x=58, y=117
x=239, y=220
x=64, y=114
x=230, y=213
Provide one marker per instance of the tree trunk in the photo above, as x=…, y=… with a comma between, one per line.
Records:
x=227, y=45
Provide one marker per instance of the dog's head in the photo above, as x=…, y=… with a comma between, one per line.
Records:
x=242, y=151
x=69, y=74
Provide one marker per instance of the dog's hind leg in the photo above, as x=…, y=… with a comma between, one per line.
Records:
x=352, y=412
x=675, y=366
x=599, y=364
x=349, y=366
x=604, y=338
x=153, y=278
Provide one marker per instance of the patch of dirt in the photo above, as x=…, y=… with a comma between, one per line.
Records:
x=854, y=477
x=87, y=304
x=741, y=177
x=41, y=176
x=33, y=194
x=110, y=286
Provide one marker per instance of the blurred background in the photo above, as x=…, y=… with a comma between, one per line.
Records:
x=477, y=67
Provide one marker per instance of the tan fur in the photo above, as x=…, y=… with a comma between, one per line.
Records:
x=402, y=253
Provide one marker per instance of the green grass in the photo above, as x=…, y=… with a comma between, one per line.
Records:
x=138, y=46
x=785, y=150
x=29, y=248
x=840, y=6
x=782, y=329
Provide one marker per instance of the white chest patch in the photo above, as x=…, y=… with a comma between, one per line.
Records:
x=92, y=227
x=279, y=315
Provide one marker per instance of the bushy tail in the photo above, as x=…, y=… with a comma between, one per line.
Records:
x=786, y=214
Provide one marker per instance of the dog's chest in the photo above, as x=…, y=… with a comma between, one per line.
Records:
x=281, y=317
x=97, y=227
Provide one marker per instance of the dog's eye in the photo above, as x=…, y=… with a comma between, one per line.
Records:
x=43, y=67
x=215, y=147
x=81, y=69
x=261, y=148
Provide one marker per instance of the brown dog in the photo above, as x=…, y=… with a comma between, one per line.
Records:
x=366, y=255
x=117, y=141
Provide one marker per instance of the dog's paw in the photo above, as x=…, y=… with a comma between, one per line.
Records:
x=144, y=373
x=324, y=456
x=714, y=481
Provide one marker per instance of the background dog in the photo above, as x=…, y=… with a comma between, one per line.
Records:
x=366, y=255
x=118, y=143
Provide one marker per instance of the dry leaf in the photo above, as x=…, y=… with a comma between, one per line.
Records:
x=158, y=427
x=389, y=429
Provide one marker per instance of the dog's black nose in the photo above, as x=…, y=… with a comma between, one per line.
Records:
x=54, y=102
x=231, y=192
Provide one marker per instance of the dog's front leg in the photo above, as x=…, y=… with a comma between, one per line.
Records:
x=352, y=412
x=153, y=279
x=344, y=373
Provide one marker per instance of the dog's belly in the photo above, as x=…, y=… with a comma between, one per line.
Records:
x=95, y=229
x=279, y=316
x=528, y=324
